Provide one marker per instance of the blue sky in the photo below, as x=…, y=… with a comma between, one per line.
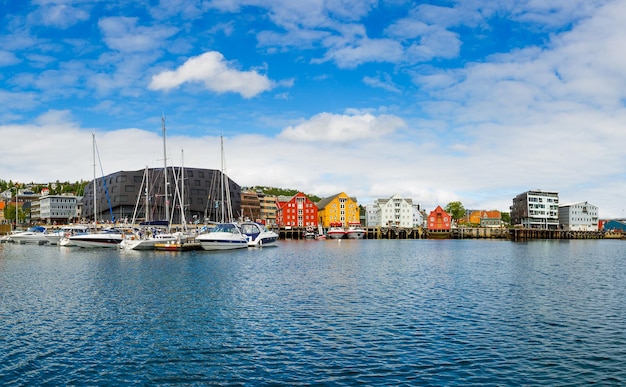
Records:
x=438, y=101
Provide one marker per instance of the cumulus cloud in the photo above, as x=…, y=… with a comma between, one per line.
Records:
x=8, y=58
x=365, y=50
x=58, y=15
x=328, y=127
x=123, y=34
x=217, y=75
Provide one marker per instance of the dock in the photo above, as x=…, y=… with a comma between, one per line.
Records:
x=514, y=234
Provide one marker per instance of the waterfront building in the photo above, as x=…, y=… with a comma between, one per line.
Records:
x=60, y=209
x=439, y=220
x=339, y=208
x=614, y=225
x=119, y=193
x=580, y=216
x=372, y=215
x=536, y=209
x=296, y=211
x=395, y=211
x=268, y=209
x=250, y=205
x=485, y=218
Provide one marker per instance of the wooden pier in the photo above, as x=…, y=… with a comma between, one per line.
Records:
x=514, y=234
x=519, y=234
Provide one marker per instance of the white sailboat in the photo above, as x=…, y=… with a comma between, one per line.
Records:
x=227, y=234
x=111, y=237
x=147, y=240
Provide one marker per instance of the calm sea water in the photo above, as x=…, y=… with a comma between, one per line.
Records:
x=371, y=312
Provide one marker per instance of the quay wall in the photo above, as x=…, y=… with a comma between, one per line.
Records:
x=518, y=234
x=514, y=234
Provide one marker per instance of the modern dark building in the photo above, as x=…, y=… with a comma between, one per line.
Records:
x=124, y=194
x=536, y=209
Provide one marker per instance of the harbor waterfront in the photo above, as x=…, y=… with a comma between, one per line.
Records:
x=335, y=312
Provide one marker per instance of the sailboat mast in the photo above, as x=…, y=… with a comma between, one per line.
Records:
x=222, y=179
x=226, y=204
x=167, y=198
x=95, y=202
x=147, y=195
x=183, y=216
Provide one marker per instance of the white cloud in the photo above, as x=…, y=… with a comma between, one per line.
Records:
x=123, y=34
x=365, y=50
x=56, y=14
x=8, y=58
x=382, y=81
x=216, y=74
x=328, y=127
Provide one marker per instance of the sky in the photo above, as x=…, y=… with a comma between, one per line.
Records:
x=437, y=101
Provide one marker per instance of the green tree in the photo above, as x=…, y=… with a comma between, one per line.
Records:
x=9, y=213
x=456, y=210
x=505, y=217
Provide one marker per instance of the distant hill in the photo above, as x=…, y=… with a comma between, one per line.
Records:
x=273, y=191
x=55, y=188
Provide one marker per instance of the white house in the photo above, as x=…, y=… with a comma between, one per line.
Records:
x=580, y=216
x=395, y=211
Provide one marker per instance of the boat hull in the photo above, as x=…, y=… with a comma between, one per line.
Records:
x=355, y=234
x=29, y=239
x=336, y=234
x=225, y=236
x=146, y=244
x=222, y=244
x=106, y=240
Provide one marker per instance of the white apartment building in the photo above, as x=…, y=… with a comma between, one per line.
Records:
x=395, y=211
x=580, y=216
x=57, y=208
x=536, y=209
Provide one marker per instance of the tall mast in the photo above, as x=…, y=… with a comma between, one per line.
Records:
x=95, y=201
x=167, y=198
x=222, y=188
x=183, y=217
x=225, y=187
x=147, y=195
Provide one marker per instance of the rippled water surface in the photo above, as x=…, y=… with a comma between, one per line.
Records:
x=372, y=312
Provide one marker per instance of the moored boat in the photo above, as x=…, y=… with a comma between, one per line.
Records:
x=224, y=236
x=111, y=238
x=35, y=234
x=258, y=235
x=146, y=241
x=59, y=236
x=336, y=231
x=355, y=231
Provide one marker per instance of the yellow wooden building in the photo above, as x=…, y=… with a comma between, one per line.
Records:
x=339, y=208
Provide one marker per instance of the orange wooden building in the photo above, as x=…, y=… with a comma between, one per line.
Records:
x=439, y=220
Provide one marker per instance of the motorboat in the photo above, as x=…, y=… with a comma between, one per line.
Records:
x=336, y=231
x=35, y=234
x=309, y=233
x=56, y=237
x=110, y=237
x=224, y=236
x=258, y=235
x=146, y=241
x=355, y=231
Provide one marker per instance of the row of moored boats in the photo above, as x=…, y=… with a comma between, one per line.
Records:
x=222, y=236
